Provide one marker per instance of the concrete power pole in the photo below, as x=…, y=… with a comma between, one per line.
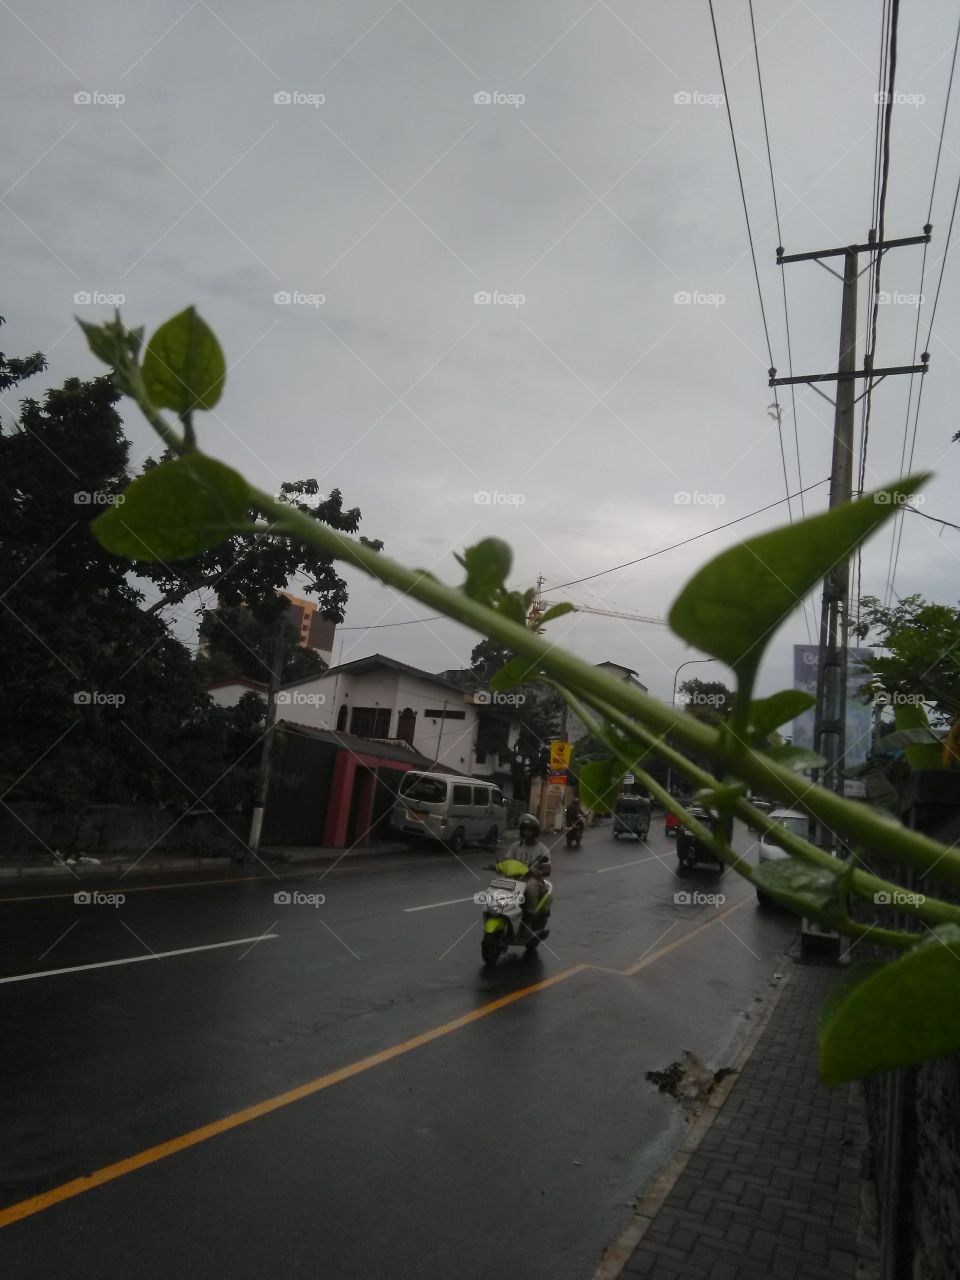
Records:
x=830, y=714
x=266, y=751
x=829, y=733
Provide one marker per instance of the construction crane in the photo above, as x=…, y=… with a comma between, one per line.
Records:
x=614, y=613
x=539, y=606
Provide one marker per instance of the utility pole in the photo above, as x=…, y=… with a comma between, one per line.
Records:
x=266, y=753
x=443, y=717
x=829, y=732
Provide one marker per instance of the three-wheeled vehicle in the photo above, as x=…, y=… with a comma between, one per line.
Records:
x=692, y=852
x=631, y=817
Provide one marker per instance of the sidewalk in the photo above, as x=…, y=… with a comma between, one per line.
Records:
x=158, y=863
x=772, y=1189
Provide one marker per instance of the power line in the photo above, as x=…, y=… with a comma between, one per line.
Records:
x=437, y=617
x=881, y=182
x=663, y=550
x=378, y=626
x=897, y=536
x=753, y=254
x=786, y=311
x=783, y=278
x=948, y=524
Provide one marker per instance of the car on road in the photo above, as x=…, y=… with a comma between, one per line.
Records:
x=764, y=806
x=454, y=810
x=770, y=851
x=691, y=851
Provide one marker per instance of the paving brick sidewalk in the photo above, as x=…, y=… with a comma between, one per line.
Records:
x=773, y=1192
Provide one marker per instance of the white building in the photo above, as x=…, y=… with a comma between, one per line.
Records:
x=227, y=693
x=386, y=700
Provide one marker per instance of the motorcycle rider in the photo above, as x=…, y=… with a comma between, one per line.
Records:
x=575, y=813
x=529, y=850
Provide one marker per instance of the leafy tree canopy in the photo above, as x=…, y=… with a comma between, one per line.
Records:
x=922, y=643
x=706, y=700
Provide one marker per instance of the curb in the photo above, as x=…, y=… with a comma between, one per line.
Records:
x=616, y=1256
x=69, y=871
x=271, y=858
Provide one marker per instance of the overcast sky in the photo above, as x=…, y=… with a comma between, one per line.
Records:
x=584, y=188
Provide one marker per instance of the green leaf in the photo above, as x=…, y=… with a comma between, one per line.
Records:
x=921, y=745
x=176, y=510
x=796, y=758
x=517, y=671
x=884, y=1016
x=922, y=736
x=511, y=604
x=731, y=608
x=487, y=565
x=767, y=714
x=600, y=782
x=103, y=340
x=134, y=340
x=183, y=366
x=557, y=611
x=808, y=889
x=721, y=798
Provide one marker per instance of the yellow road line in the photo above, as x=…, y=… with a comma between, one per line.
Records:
x=687, y=937
x=110, y=1172
x=36, y=1204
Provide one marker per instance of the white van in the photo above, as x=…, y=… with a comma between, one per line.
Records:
x=455, y=810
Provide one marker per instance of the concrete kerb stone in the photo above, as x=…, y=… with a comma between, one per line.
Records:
x=158, y=865
x=616, y=1256
x=71, y=871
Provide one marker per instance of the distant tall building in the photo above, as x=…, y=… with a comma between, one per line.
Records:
x=314, y=632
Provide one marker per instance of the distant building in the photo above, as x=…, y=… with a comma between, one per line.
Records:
x=314, y=632
x=576, y=729
x=386, y=700
x=227, y=693
x=345, y=737
x=382, y=700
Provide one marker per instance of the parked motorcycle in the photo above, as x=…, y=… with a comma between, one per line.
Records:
x=507, y=921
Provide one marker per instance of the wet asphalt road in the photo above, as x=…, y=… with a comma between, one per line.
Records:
x=418, y=1145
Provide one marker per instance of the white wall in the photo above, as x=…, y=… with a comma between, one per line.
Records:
x=451, y=742
x=317, y=703
x=228, y=695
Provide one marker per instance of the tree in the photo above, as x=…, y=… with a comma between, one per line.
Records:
x=923, y=651
x=707, y=700
x=100, y=701
x=93, y=686
x=251, y=568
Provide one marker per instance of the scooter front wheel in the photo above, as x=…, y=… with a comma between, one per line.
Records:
x=490, y=949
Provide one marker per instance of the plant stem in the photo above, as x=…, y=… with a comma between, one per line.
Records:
x=885, y=837
x=863, y=883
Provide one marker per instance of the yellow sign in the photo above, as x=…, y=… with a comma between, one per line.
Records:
x=560, y=753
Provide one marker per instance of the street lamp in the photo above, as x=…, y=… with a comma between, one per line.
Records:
x=688, y=663
x=673, y=703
